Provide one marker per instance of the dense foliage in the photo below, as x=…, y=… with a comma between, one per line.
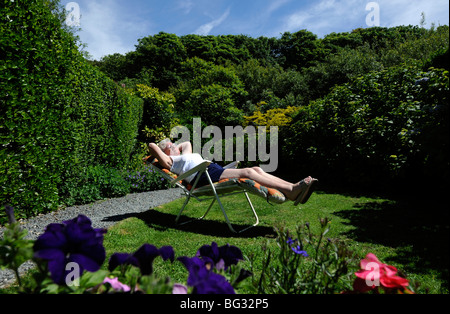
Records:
x=59, y=115
x=297, y=65
x=383, y=126
x=367, y=104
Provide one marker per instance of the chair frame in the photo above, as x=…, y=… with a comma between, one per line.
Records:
x=203, y=168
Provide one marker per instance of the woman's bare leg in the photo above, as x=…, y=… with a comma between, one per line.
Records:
x=270, y=176
x=291, y=190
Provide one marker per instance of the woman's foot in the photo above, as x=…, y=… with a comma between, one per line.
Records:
x=303, y=190
x=297, y=189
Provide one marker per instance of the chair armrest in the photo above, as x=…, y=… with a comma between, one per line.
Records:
x=232, y=165
x=201, y=167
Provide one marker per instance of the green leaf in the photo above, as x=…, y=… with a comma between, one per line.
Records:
x=92, y=279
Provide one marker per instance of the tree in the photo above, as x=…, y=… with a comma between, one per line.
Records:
x=160, y=55
x=199, y=46
x=115, y=66
x=299, y=50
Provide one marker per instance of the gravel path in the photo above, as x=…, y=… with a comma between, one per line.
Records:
x=98, y=212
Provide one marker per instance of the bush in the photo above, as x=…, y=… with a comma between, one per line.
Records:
x=94, y=183
x=58, y=114
x=272, y=117
x=208, y=101
x=391, y=124
x=159, y=113
x=145, y=179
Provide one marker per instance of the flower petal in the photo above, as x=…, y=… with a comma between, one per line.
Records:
x=56, y=267
x=362, y=273
x=85, y=262
x=370, y=258
x=210, y=251
x=214, y=284
x=394, y=282
x=167, y=252
x=389, y=270
x=53, y=237
x=116, y=284
x=230, y=254
x=118, y=259
x=95, y=251
x=179, y=289
x=145, y=256
x=196, y=268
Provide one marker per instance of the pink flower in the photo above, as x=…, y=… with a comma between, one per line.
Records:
x=179, y=289
x=373, y=273
x=116, y=284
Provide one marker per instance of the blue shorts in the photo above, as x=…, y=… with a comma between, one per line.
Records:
x=214, y=170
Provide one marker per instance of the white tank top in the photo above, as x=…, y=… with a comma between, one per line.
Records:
x=184, y=163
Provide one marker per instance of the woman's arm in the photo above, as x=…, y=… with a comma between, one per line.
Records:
x=185, y=148
x=163, y=159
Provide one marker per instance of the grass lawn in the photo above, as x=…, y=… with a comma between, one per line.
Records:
x=407, y=233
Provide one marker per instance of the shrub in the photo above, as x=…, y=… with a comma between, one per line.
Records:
x=272, y=117
x=58, y=114
x=145, y=179
x=391, y=124
x=159, y=113
x=36, y=57
x=94, y=183
x=208, y=101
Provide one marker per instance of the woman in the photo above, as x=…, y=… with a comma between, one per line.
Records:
x=180, y=159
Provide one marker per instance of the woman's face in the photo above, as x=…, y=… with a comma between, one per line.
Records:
x=171, y=150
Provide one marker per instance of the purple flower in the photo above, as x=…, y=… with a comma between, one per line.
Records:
x=299, y=251
x=203, y=279
x=220, y=257
x=72, y=241
x=142, y=258
x=296, y=248
x=10, y=214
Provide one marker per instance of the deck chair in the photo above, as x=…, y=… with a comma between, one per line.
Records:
x=216, y=190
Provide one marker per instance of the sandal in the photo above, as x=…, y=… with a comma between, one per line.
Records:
x=308, y=189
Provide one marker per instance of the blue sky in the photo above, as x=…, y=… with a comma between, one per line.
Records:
x=114, y=26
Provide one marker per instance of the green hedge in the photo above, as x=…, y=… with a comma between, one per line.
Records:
x=58, y=114
x=386, y=126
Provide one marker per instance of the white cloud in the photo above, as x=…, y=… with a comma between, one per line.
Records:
x=326, y=16
x=185, y=5
x=107, y=29
x=256, y=18
x=404, y=12
x=205, y=29
x=275, y=5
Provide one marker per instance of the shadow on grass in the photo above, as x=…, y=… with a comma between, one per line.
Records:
x=164, y=221
x=418, y=229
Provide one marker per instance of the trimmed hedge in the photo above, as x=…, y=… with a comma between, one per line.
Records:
x=58, y=114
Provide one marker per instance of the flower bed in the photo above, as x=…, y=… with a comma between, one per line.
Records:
x=70, y=255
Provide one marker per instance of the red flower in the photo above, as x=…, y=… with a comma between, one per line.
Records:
x=373, y=274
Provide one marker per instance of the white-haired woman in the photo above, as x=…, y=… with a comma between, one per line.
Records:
x=180, y=159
